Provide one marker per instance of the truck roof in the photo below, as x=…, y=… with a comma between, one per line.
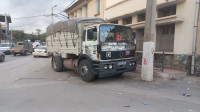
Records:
x=71, y=25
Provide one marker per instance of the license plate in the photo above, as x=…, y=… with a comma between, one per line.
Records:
x=39, y=51
x=17, y=51
x=122, y=63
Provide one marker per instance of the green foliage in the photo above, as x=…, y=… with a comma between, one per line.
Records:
x=21, y=36
x=43, y=37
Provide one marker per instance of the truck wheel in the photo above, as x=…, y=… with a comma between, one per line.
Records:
x=2, y=58
x=14, y=54
x=25, y=53
x=57, y=63
x=85, y=71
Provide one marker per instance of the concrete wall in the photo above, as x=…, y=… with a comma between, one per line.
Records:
x=184, y=31
x=92, y=9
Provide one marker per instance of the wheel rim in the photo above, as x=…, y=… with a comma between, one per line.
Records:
x=54, y=64
x=84, y=70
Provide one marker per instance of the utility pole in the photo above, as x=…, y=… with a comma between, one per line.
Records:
x=52, y=19
x=6, y=29
x=149, y=44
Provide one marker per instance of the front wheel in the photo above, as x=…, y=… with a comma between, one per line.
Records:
x=85, y=71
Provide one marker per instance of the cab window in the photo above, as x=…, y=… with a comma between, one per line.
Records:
x=92, y=34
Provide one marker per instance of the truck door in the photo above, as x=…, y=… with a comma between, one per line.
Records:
x=91, y=43
x=84, y=42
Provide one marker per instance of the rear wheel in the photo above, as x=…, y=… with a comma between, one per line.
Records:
x=57, y=63
x=2, y=58
x=14, y=54
x=85, y=71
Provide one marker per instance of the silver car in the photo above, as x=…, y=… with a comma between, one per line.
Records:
x=2, y=57
x=6, y=47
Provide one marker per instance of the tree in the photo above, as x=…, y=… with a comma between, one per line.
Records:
x=19, y=35
x=43, y=37
x=38, y=32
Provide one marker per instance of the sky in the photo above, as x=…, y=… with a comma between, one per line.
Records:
x=26, y=8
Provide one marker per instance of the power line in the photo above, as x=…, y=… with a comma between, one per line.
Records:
x=32, y=16
x=57, y=17
x=21, y=25
x=68, y=6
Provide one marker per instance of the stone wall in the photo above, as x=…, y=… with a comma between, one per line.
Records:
x=177, y=62
x=197, y=63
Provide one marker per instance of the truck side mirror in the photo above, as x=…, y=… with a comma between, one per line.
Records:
x=133, y=35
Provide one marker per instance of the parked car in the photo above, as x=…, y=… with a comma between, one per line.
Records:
x=22, y=48
x=2, y=57
x=40, y=51
x=6, y=47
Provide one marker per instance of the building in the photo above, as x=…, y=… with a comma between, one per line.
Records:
x=174, y=26
x=86, y=8
x=4, y=28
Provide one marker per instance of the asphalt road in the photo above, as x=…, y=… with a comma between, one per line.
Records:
x=29, y=84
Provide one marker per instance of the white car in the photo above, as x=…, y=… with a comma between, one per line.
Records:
x=40, y=51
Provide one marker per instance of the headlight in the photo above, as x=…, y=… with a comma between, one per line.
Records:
x=105, y=67
x=110, y=66
x=132, y=63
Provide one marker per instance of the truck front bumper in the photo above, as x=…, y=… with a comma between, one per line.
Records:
x=118, y=67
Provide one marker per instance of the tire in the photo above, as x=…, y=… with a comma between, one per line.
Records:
x=34, y=56
x=57, y=63
x=14, y=54
x=25, y=53
x=85, y=71
x=2, y=58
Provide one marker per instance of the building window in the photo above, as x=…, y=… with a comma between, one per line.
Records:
x=139, y=39
x=141, y=17
x=165, y=38
x=114, y=22
x=127, y=20
x=98, y=6
x=167, y=11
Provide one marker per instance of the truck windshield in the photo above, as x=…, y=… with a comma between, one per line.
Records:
x=114, y=33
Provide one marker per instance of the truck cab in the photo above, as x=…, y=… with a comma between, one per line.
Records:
x=111, y=49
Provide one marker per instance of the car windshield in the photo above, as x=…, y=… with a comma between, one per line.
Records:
x=113, y=33
x=5, y=45
x=41, y=47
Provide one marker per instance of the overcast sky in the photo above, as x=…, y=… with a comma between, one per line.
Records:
x=27, y=8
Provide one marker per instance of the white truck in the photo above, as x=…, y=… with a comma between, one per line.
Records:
x=91, y=47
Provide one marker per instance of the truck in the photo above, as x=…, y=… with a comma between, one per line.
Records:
x=91, y=47
x=22, y=48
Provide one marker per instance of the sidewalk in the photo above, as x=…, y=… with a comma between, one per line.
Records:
x=169, y=74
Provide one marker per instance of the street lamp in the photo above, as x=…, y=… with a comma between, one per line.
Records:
x=52, y=19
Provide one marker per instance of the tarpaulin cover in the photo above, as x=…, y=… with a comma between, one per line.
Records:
x=57, y=27
x=71, y=25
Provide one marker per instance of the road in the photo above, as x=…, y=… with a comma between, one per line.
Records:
x=29, y=84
